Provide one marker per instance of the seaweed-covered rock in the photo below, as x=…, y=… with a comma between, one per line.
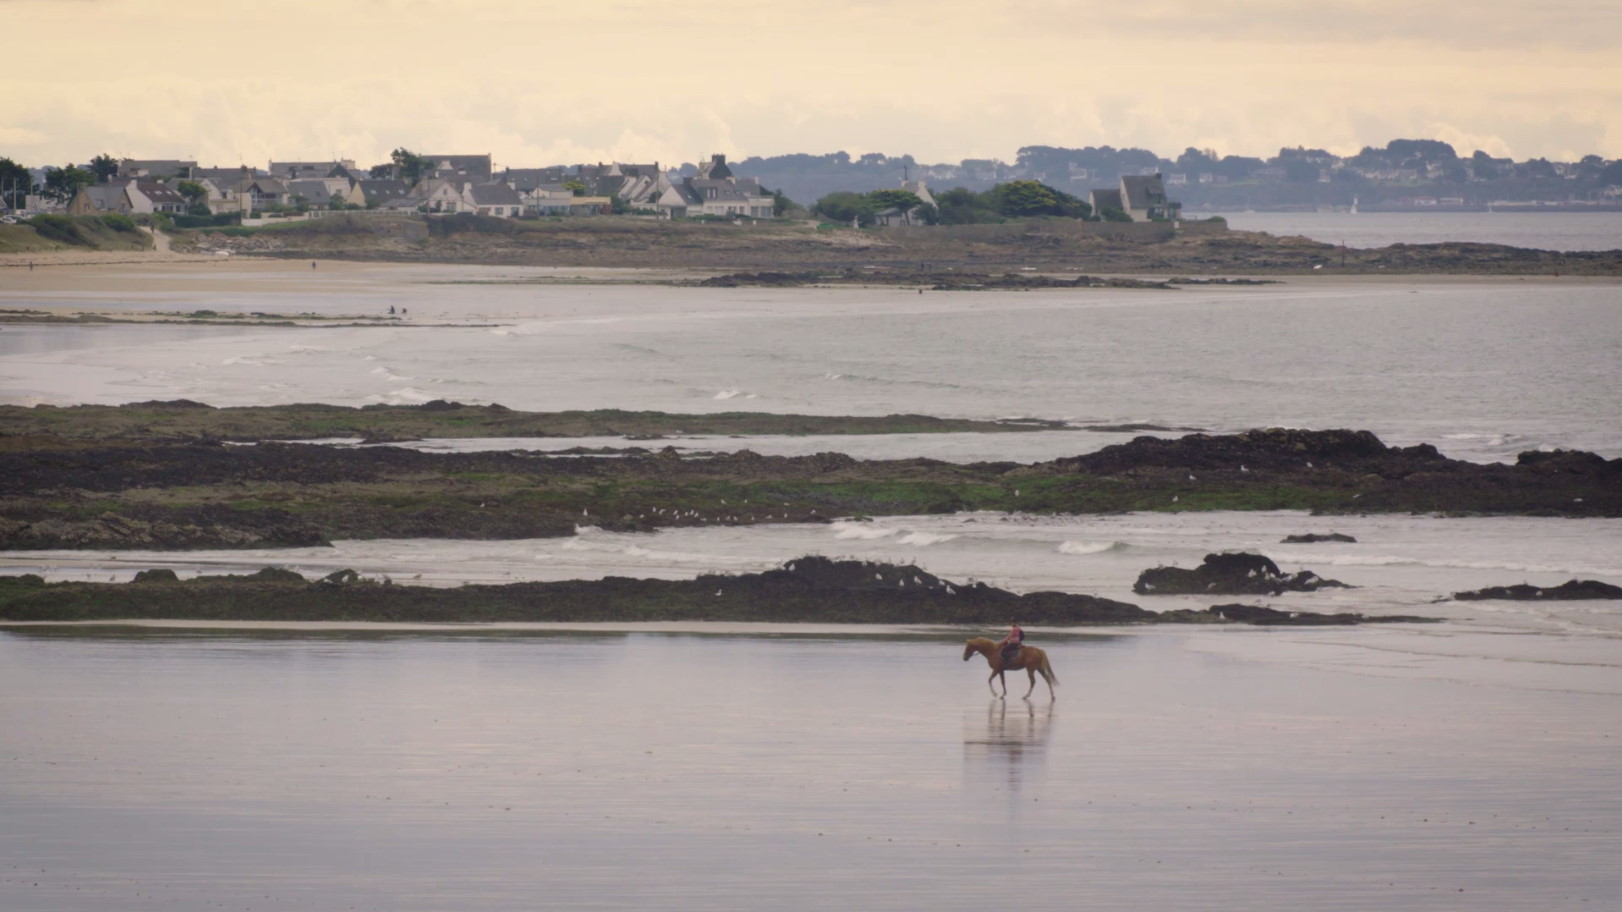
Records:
x=157, y=575
x=1571, y=590
x=1230, y=574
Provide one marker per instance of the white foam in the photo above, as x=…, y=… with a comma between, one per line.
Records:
x=925, y=539
x=862, y=531
x=1083, y=548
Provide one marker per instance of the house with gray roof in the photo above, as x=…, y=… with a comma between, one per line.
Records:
x=495, y=199
x=100, y=199
x=310, y=170
x=320, y=193
x=467, y=167
x=126, y=197
x=1105, y=199
x=1144, y=198
x=378, y=192
x=155, y=168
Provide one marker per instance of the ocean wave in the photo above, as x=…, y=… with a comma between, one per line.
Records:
x=862, y=531
x=1082, y=548
x=1394, y=560
x=925, y=539
x=404, y=396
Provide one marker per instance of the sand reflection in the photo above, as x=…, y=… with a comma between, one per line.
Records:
x=1006, y=744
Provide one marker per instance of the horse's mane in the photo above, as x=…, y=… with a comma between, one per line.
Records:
x=986, y=642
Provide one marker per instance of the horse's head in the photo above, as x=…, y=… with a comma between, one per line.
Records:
x=973, y=646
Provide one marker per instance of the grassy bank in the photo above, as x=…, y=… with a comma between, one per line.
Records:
x=191, y=420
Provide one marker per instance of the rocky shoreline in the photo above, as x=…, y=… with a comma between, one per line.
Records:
x=1047, y=245
x=805, y=590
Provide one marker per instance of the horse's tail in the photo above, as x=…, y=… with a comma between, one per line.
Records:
x=1047, y=670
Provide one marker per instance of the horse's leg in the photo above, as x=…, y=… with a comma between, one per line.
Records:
x=992, y=687
x=1031, y=672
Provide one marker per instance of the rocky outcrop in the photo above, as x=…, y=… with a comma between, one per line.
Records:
x=1230, y=574
x=181, y=529
x=1261, y=615
x=809, y=589
x=1312, y=538
x=1288, y=450
x=1572, y=590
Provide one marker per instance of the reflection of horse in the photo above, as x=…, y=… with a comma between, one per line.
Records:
x=1033, y=660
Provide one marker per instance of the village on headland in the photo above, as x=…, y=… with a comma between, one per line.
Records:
x=1067, y=215
x=871, y=189
x=413, y=184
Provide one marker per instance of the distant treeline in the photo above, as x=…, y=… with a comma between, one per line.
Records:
x=1298, y=176
x=960, y=206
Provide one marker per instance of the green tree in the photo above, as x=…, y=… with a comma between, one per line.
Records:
x=196, y=197
x=781, y=204
x=1114, y=214
x=1025, y=198
x=410, y=166
x=62, y=184
x=15, y=184
x=961, y=206
x=844, y=206
x=105, y=167
x=905, y=200
x=575, y=187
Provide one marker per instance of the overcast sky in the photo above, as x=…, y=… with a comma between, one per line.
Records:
x=538, y=82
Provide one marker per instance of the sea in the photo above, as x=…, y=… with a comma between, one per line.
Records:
x=1555, y=229
x=1466, y=762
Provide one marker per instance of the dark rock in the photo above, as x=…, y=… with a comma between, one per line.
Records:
x=1272, y=617
x=277, y=575
x=1312, y=538
x=344, y=577
x=1577, y=462
x=1572, y=590
x=1230, y=574
x=157, y=575
x=1274, y=448
x=171, y=404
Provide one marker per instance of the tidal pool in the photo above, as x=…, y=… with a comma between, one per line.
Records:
x=485, y=770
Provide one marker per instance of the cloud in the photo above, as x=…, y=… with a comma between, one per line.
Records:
x=642, y=80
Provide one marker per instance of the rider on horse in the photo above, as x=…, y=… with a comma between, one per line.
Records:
x=1010, y=644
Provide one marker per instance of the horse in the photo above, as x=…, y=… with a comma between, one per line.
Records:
x=1033, y=660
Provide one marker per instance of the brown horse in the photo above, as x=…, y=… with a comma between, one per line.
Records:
x=1033, y=660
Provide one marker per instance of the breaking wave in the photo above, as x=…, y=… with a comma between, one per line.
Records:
x=1073, y=547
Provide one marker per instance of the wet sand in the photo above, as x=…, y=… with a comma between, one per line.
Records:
x=611, y=770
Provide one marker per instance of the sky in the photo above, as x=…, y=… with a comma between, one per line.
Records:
x=537, y=82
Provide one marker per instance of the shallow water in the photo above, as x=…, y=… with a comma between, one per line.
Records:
x=1484, y=369
x=1399, y=565
x=1540, y=230
x=163, y=771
